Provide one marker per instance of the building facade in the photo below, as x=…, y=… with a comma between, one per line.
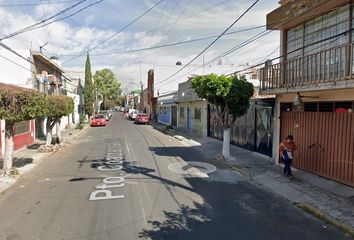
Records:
x=167, y=109
x=192, y=111
x=24, y=132
x=314, y=84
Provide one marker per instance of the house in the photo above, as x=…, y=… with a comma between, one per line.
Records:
x=48, y=78
x=254, y=130
x=24, y=132
x=167, y=109
x=149, y=101
x=77, y=80
x=192, y=111
x=314, y=85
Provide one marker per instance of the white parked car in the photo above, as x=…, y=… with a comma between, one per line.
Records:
x=133, y=114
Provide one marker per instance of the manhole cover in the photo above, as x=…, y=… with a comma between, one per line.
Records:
x=192, y=169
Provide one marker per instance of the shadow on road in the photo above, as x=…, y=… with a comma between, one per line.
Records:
x=19, y=162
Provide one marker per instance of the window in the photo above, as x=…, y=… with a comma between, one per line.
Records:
x=321, y=33
x=197, y=114
x=21, y=127
x=310, y=107
x=181, y=112
x=326, y=106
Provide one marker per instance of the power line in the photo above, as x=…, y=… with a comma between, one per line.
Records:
x=121, y=30
x=199, y=54
x=295, y=50
x=168, y=44
x=30, y=27
x=36, y=4
x=262, y=63
x=16, y=63
x=193, y=15
x=70, y=15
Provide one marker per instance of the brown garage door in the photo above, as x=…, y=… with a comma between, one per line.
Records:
x=325, y=143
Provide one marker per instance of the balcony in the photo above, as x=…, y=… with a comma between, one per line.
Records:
x=328, y=69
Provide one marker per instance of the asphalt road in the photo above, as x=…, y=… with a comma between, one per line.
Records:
x=128, y=181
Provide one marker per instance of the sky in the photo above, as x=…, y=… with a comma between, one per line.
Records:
x=170, y=21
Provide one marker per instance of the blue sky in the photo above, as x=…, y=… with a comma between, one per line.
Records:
x=171, y=21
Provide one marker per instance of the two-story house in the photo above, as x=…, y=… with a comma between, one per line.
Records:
x=314, y=84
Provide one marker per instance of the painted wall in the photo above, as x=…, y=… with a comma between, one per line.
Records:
x=164, y=114
x=25, y=139
x=198, y=127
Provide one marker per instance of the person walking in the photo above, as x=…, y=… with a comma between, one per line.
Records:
x=286, y=150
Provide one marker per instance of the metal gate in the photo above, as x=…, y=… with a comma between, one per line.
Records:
x=253, y=131
x=325, y=143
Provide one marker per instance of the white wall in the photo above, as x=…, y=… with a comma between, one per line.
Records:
x=76, y=99
x=11, y=72
x=161, y=73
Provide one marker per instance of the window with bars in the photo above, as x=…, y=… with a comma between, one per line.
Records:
x=324, y=32
x=21, y=127
x=197, y=113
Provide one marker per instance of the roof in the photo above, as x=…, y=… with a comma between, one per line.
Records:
x=14, y=87
x=46, y=60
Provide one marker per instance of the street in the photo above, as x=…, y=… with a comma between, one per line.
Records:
x=127, y=181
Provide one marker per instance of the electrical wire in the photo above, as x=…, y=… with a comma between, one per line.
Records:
x=343, y=34
x=116, y=33
x=167, y=44
x=257, y=64
x=222, y=34
x=36, y=4
x=30, y=27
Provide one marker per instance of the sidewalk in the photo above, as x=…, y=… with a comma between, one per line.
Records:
x=28, y=158
x=329, y=200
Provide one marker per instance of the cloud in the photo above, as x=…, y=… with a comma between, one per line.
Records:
x=187, y=21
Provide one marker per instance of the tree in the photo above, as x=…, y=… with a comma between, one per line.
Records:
x=89, y=93
x=229, y=95
x=107, y=86
x=16, y=105
x=56, y=108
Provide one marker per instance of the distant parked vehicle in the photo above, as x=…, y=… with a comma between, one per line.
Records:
x=107, y=113
x=142, y=118
x=99, y=120
x=133, y=114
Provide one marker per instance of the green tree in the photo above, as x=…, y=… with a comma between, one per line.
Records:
x=89, y=93
x=230, y=96
x=56, y=108
x=18, y=105
x=107, y=86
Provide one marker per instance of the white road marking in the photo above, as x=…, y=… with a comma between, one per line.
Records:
x=192, y=169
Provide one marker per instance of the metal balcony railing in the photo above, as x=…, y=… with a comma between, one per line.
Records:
x=331, y=65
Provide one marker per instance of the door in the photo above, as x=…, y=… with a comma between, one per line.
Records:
x=174, y=116
x=188, y=118
x=325, y=143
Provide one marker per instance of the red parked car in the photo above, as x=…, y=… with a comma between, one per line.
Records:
x=99, y=120
x=142, y=118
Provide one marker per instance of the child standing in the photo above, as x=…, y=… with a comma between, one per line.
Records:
x=286, y=149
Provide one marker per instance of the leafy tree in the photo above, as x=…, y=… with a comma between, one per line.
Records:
x=18, y=105
x=56, y=108
x=89, y=93
x=230, y=96
x=107, y=86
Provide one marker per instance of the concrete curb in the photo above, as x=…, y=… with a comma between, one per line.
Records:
x=327, y=219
